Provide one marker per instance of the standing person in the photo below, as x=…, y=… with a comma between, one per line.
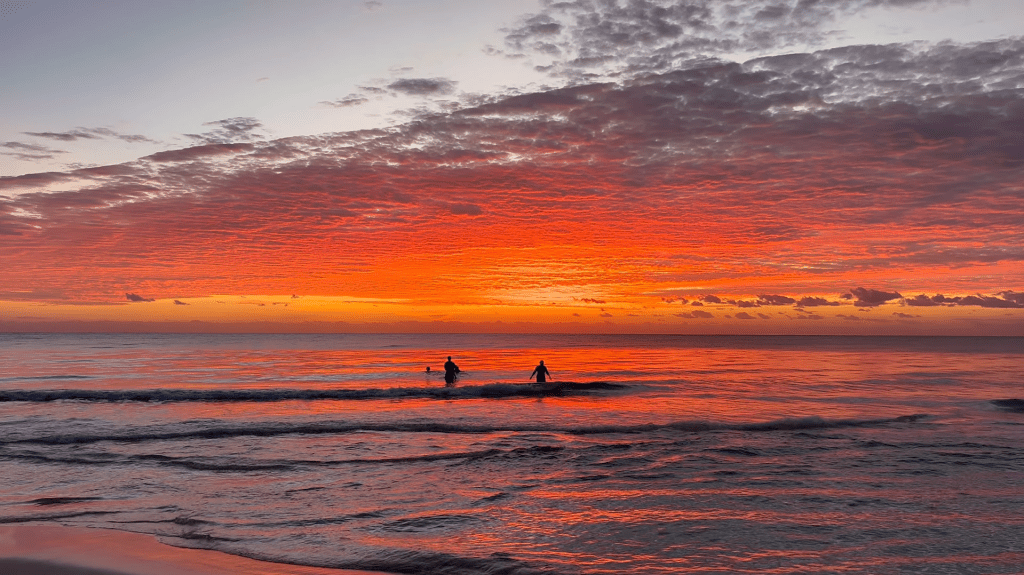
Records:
x=541, y=372
x=450, y=369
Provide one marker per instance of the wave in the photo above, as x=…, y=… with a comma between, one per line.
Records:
x=1015, y=405
x=244, y=465
x=494, y=390
x=44, y=377
x=385, y=560
x=338, y=427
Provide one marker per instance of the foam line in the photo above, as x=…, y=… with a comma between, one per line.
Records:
x=337, y=428
x=494, y=390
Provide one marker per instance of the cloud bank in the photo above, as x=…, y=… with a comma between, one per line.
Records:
x=656, y=167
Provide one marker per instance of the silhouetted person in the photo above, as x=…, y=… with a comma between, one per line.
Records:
x=450, y=369
x=541, y=372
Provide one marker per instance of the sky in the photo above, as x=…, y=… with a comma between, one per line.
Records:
x=608, y=166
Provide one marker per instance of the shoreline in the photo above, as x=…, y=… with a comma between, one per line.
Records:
x=59, y=550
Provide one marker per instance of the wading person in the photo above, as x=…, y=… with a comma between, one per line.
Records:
x=541, y=372
x=450, y=369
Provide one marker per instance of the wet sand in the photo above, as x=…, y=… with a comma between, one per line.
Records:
x=54, y=550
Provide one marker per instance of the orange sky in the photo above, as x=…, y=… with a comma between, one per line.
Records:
x=861, y=189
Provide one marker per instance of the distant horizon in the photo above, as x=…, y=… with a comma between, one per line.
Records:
x=333, y=328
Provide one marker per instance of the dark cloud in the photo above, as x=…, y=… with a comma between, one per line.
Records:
x=744, y=315
x=178, y=302
x=231, y=130
x=711, y=298
x=922, y=300
x=871, y=298
x=136, y=297
x=29, y=152
x=347, y=101
x=69, y=136
x=695, y=314
x=198, y=152
x=89, y=134
x=33, y=180
x=902, y=315
x=811, y=301
x=767, y=299
x=984, y=301
x=581, y=37
x=1016, y=297
x=20, y=146
x=423, y=86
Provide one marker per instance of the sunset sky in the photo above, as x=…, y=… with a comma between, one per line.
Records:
x=692, y=166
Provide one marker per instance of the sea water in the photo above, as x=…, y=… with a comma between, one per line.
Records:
x=666, y=454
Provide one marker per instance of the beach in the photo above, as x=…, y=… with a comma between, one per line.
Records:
x=53, y=550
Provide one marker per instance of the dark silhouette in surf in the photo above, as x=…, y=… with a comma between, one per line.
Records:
x=541, y=372
x=450, y=370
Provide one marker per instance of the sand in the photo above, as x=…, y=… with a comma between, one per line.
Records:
x=53, y=550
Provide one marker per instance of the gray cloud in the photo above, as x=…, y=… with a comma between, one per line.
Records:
x=89, y=134
x=347, y=101
x=923, y=301
x=423, y=86
x=69, y=136
x=197, y=152
x=812, y=301
x=29, y=152
x=871, y=298
x=695, y=314
x=230, y=130
x=767, y=299
x=639, y=36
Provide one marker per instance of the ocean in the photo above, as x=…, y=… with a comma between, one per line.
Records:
x=660, y=454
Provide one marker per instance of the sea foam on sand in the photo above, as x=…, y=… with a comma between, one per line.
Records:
x=53, y=550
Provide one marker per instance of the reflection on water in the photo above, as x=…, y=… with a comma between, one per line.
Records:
x=864, y=455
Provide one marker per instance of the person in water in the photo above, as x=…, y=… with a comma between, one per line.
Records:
x=450, y=369
x=541, y=372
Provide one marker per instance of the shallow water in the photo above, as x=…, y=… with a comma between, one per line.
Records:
x=670, y=454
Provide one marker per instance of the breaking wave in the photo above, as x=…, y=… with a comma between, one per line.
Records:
x=1015, y=405
x=342, y=427
x=494, y=390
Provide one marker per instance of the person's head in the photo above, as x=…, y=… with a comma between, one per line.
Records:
x=542, y=362
x=449, y=358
